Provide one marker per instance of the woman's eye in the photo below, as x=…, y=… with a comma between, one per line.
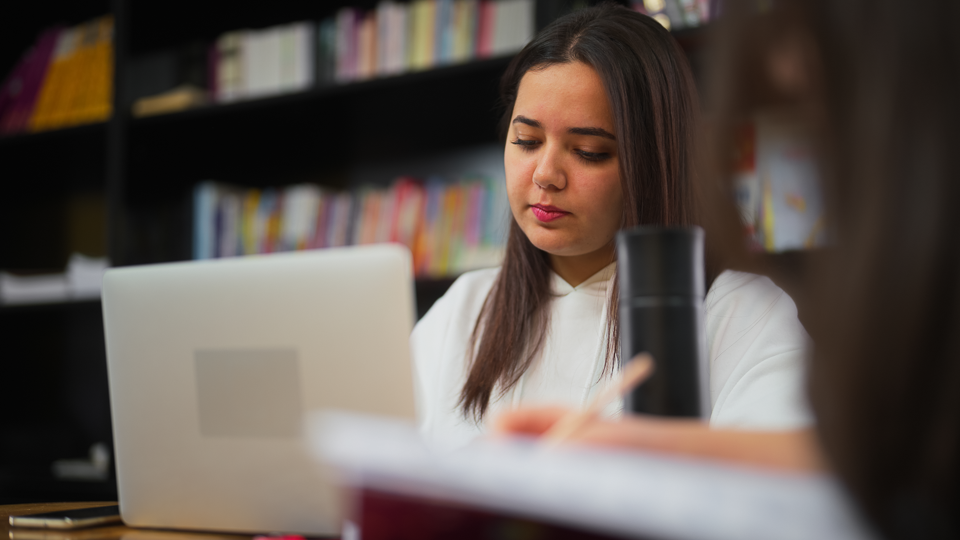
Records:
x=592, y=156
x=525, y=144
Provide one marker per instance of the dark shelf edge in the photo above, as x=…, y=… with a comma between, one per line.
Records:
x=327, y=92
x=51, y=135
x=53, y=305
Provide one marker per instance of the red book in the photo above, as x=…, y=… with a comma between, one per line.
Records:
x=488, y=15
x=323, y=221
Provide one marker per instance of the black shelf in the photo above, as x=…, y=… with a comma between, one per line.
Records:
x=15, y=142
x=52, y=305
x=144, y=170
x=325, y=128
x=380, y=84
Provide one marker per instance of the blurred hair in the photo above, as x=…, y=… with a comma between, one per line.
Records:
x=653, y=99
x=880, y=91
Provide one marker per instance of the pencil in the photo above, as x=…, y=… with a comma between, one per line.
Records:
x=632, y=375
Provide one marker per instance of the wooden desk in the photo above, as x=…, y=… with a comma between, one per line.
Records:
x=113, y=532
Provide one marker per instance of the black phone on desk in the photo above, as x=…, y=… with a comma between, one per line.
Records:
x=69, y=519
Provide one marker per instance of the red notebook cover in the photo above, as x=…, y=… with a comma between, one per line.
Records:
x=386, y=516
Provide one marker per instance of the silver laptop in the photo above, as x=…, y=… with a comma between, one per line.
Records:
x=214, y=365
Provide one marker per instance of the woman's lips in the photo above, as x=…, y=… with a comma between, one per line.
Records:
x=546, y=213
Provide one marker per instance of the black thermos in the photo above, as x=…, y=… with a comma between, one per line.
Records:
x=661, y=280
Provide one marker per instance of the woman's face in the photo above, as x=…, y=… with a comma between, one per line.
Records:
x=563, y=175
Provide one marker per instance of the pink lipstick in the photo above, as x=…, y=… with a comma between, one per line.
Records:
x=546, y=213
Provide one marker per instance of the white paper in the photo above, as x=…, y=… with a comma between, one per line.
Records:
x=614, y=492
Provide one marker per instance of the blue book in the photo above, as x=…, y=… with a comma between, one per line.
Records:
x=204, y=215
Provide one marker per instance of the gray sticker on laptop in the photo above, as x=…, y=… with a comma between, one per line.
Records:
x=248, y=392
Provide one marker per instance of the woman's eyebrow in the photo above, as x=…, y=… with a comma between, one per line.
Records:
x=596, y=132
x=520, y=119
x=593, y=131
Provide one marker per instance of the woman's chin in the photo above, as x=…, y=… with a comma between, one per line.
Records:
x=559, y=247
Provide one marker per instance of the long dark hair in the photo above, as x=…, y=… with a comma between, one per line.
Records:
x=654, y=103
x=884, y=381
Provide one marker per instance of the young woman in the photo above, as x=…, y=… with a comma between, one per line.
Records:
x=878, y=85
x=600, y=116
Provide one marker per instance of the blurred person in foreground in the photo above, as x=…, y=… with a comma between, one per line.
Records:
x=876, y=84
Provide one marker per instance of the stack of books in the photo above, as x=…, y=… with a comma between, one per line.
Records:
x=248, y=64
x=397, y=38
x=65, y=79
x=450, y=227
x=355, y=45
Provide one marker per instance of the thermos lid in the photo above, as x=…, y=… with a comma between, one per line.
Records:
x=660, y=261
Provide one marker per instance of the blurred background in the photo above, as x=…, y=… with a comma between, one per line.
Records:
x=147, y=132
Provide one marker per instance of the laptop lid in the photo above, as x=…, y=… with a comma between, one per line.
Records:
x=214, y=365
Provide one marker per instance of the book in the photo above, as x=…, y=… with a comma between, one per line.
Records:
x=487, y=14
x=229, y=69
x=55, y=82
x=444, y=27
x=77, y=87
x=177, y=99
x=264, y=62
x=327, y=52
x=19, y=93
x=346, y=44
x=299, y=216
x=204, y=220
x=512, y=26
x=357, y=44
x=11, y=93
x=93, y=98
x=297, y=56
x=569, y=491
x=445, y=224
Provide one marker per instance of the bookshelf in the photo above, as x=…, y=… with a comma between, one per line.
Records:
x=136, y=175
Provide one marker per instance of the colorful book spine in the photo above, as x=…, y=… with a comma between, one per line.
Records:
x=444, y=224
x=22, y=89
x=356, y=44
x=485, y=23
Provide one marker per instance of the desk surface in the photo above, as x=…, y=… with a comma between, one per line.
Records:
x=115, y=532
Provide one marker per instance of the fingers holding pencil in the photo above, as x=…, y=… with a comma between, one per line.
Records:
x=557, y=424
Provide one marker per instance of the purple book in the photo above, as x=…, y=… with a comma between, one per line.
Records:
x=34, y=68
x=12, y=90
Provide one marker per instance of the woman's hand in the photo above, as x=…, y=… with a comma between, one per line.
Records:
x=786, y=450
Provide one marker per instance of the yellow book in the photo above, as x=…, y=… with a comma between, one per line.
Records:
x=99, y=103
x=429, y=28
x=78, y=78
x=414, y=34
x=448, y=209
x=458, y=216
x=49, y=97
x=248, y=221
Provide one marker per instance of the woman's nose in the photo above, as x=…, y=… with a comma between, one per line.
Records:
x=549, y=173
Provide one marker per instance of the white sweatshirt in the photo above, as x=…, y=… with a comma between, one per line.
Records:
x=755, y=343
